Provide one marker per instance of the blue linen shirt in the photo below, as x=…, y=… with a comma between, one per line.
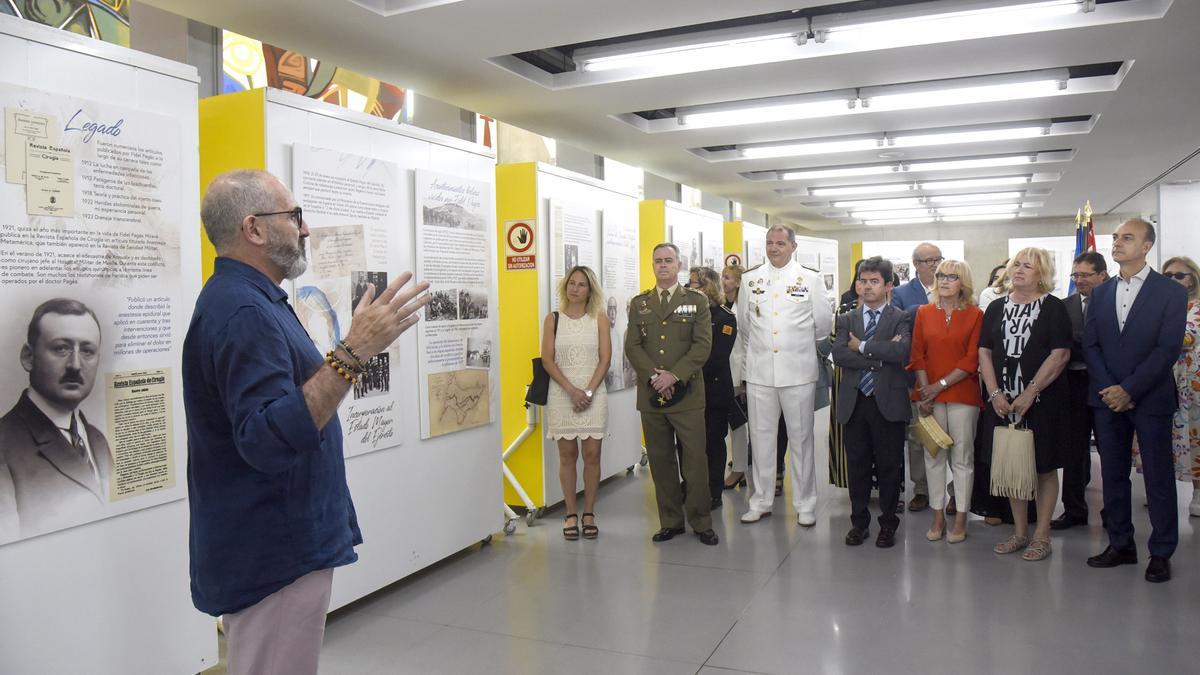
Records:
x=267, y=490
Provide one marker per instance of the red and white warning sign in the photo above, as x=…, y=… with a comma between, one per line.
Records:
x=733, y=259
x=520, y=251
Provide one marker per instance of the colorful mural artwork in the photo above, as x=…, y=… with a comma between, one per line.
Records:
x=106, y=20
x=250, y=64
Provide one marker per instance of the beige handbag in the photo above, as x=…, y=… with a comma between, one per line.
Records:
x=1014, y=468
x=932, y=436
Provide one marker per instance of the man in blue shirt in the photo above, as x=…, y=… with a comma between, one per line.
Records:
x=271, y=514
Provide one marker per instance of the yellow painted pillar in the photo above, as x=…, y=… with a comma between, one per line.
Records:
x=232, y=136
x=652, y=219
x=734, y=241
x=519, y=326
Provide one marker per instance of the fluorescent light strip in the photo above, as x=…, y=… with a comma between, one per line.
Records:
x=971, y=23
x=841, y=171
x=975, y=197
x=814, y=148
x=962, y=96
x=972, y=163
x=860, y=189
x=925, y=139
x=763, y=113
x=973, y=182
x=979, y=209
x=990, y=216
x=900, y=221
x=706, y=56
x=877, y=203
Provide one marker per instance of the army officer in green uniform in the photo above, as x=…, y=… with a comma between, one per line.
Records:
x=669, y=337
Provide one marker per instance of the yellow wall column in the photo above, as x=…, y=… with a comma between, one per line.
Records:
x=734, y=241
x=652, y=218
x=519, y=327
x=232, y=136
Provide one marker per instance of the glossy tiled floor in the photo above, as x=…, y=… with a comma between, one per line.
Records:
x=773, y=598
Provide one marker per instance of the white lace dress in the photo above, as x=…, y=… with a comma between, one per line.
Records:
x=576, y=351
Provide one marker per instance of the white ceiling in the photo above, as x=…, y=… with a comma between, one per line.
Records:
x=1146, y=126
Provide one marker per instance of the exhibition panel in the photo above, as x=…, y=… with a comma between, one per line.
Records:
x=387, y=198
x=576, y=220
x=100, y=262
x=900, y=253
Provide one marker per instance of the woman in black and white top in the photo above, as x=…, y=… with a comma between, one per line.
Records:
x=1024, y=346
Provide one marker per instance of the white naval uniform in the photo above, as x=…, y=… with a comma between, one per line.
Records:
x=781, y=314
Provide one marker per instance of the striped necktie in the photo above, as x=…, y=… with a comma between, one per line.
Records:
x=867, y=384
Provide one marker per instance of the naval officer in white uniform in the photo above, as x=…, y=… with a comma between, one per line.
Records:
x=782, y=311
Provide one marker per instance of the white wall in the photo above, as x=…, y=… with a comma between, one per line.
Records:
x=111, y=596
x=1178, y=221
x=425, y=500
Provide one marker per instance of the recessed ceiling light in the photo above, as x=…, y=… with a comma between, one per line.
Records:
x=877, y=203
x=974, y=197
x=882, y=188
x=979, y=217
x=900, y=221
x=801, y=149
x=973, y=182
x=948, y=164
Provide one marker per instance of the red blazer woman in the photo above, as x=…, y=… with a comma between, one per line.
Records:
x=939, y=347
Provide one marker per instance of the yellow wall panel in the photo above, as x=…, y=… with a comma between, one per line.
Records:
x=734, y=241
x=516, y=199
x=652, y=231
x=232, y=136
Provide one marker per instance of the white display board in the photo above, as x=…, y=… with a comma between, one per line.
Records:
x=400, y=493
x=821, y=256
x=754, y=242
x=900, y=253
x=117, y=231
x=700, y=236
x=610, y=217
x=350, y=204
x=455, y=252
x=575, y=239
x=1062, y=252
x=1177, y=231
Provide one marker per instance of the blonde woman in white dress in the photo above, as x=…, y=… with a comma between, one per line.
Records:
x=576, y=355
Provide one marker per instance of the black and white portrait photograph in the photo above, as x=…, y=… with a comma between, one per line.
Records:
x=359, y=282
x=828, y=282
x=443, y=306
x=479, y=353
x=54, y=457
x=453, y=215
x=570, y=256
x=472, y=303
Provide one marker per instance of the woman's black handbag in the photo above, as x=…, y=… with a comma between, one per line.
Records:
x=539, y=388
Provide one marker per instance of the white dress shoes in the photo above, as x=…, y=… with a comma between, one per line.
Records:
x=753, y=516
x=806, y=519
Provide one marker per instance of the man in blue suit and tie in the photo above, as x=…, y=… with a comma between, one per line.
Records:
x=1133, y=335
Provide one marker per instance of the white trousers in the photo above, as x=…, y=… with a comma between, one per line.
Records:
x=282, y=633
x=739, y=440
x=958, y=419
x=796, y=404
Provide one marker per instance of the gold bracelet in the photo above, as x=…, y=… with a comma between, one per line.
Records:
x=342, y=369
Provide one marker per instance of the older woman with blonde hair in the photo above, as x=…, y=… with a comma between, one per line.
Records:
x=945, y=357
x=1024, y=346
x=576, y=351
x=1185, y=425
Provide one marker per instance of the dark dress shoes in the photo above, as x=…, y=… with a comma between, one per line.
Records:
x=716, y=503
x=918, y=503
x=886, y=538
x=1065, y=522
x=666, y=534
x=1111, y=557
x=856, y=536
x=1159, y=570
x=708, y=538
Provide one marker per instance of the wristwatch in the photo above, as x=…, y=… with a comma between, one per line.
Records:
x=943, y=383
x=587, y=393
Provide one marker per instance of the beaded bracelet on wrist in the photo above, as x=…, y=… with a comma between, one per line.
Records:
x=341, y=367
x=362, y=365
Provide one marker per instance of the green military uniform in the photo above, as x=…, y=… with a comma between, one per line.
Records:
x=675, y=336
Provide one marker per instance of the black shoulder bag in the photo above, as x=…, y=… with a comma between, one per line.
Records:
x=539, y=388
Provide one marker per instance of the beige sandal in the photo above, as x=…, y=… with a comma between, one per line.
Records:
x=1039, y=549
x=1011, y=545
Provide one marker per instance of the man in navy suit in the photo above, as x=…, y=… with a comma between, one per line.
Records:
x=1132, y=337
x=920, y=290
